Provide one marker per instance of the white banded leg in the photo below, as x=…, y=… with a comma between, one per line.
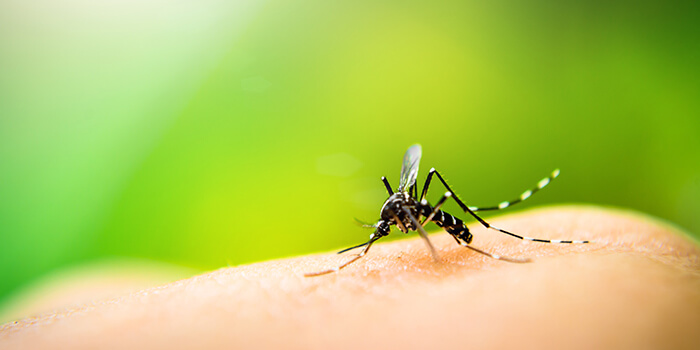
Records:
x=372, y=238
x=540, y=185
x=494, y=256
x=469, y=211
x=533, y=239
x=436, y=208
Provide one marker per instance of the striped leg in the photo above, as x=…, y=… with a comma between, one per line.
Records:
x=494, y=256
x=372, y=239
x=436, y=208
x=540, y=185
x=484, y=223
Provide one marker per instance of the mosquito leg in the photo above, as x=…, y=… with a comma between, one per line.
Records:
x=422, y=233
x=427, y=184
x=372, y=239
x=400, y=224
x=494, y=256
x=351, y=248
x=540, y=185
x=388, y=187
x=436, y=208
x=487, y=225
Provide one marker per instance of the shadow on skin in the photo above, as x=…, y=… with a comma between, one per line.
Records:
x=636, y=285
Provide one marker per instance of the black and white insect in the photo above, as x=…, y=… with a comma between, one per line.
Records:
x=404, y=209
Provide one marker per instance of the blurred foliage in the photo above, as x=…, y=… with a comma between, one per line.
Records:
x=207, y=133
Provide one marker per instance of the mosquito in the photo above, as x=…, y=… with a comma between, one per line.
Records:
x=404, y=209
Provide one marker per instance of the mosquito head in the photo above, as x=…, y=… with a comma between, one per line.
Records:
x=383, y=228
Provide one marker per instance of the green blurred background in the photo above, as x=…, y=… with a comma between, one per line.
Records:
x=207, y=133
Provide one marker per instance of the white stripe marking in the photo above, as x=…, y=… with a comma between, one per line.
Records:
x=543, y=182
x=525, y=195
x=473, y=208
x=555, y=173
x=555, y=241
x=503, y=205
x=528, y=238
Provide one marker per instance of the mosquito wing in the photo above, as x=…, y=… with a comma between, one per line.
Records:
x=409, y=169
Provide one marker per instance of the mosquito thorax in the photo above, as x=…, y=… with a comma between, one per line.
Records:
x=392, y=206
x=393, y=210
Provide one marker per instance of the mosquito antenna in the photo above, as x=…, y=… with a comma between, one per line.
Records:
x=365, y=224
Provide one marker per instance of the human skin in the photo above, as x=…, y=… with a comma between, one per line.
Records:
x=637, y=285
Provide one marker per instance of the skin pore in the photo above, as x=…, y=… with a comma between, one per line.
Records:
x=637, y=285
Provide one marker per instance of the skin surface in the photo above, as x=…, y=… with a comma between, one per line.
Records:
x=636, y=286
